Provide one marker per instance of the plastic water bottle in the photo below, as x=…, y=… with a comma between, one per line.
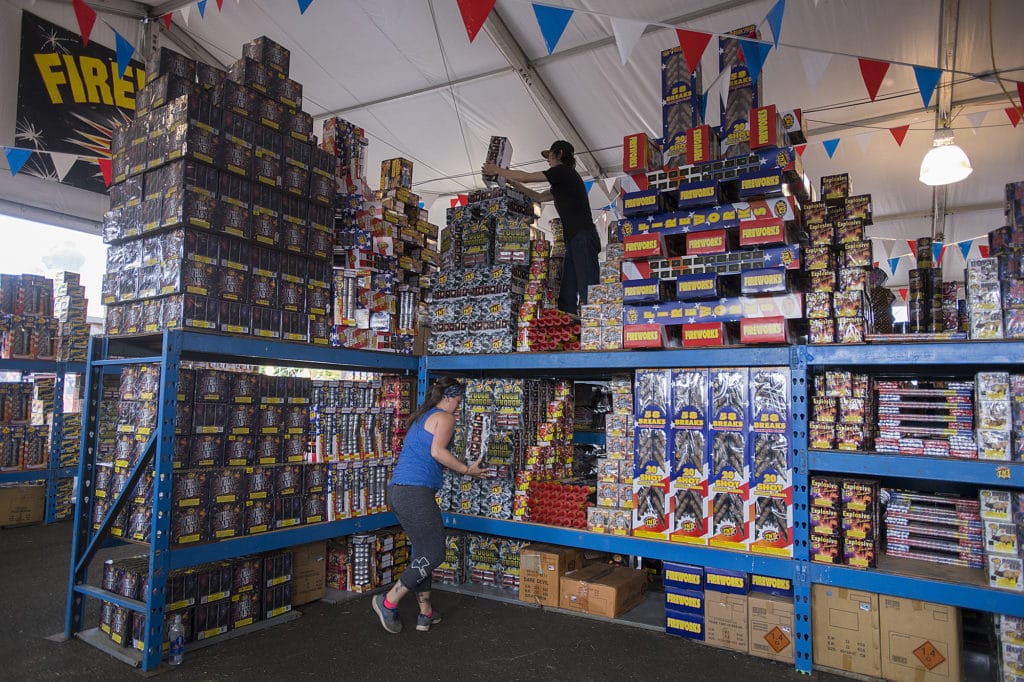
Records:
x=176, y=635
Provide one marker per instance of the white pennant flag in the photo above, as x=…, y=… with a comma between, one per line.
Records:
x=724, y=88
x=62, y=163
x=714, y=112
x=815, y=64
x=609, y=187
x=864, y=141
x=975, y=120
x=886, y=245
x=815, y=4
x=627, y=35
x=185, y=12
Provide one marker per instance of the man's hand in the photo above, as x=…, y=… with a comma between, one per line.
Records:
x=491, y=169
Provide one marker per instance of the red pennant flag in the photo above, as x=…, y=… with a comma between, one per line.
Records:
x=167, y=21
x=913, y=247
x=463, y=199
x=876, y=264
x=693, y=44
x=106, y=169
x=873, y=73
x=453, y=202
x=220, y=5
x=800, y=149
x=1014, y=115
x=474, y=14
x=903, y=294
x=86, y=18
x=983, y=250
x=1020, y=92
x=942, y=253
x=899, y=133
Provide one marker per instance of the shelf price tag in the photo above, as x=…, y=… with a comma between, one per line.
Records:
x=1003, y=473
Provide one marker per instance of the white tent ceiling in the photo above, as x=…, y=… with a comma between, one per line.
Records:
x=406, y=72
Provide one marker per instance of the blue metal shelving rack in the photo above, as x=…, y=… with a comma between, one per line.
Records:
x=168, y=351
x=53, y=472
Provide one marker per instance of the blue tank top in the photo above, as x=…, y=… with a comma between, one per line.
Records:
x=415, y=465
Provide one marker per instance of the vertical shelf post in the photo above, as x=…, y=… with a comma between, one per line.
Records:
x=56, y=439
x=801, y=539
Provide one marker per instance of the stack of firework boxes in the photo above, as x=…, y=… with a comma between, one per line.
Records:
x=361, y=563
x=476, y=309
x=937, y=528
x=28, y=329
x=357, y=428
x=222, y=204
x=838, y=262
x=843, y=410
x=712, y=458
x=1002, y=516
x=601, y=317
x=844, y=521
x=70, y=307
x=1011, y=645
x=613, y=513
x=542, y=327
x=480, y=559
x=995, y=285
x=23, y=437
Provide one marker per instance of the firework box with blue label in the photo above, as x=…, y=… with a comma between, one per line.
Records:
x=688, y=482
x=771, y=475
x=652, y=453
x=728, y=460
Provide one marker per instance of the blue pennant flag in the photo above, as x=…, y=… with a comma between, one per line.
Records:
x=754, y=53
x=927, y=79
x=894, y=263
x=965, y=247
x=304, y=5
x=587, y=184
x=937, y=252
x=202, y=8
x=16, y=158
x=125, y=50
x=702, y=103
x=775, y=20
x=552, y=22
x=830, y=146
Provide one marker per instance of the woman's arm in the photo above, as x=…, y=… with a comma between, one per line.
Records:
x=443, y=428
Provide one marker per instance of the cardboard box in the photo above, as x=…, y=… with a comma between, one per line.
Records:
x=920, y=640
x=309, y=572
x=844, y=630
x=770, y=620
x=22, y=505
x=602, y=590
x=541, y=567
x=725, y=620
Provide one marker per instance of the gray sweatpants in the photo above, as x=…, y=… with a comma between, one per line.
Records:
x=417, y=511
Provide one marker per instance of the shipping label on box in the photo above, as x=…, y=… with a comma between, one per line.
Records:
x=845, y=630
x=920, y=640
x=725, y=619
x=770, y=619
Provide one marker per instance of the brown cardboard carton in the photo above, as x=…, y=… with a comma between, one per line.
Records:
x=771, y=627
x=22, y=505
x=309, y=572
x=725, y=620
x=920, y=640
x=844, y=630
x=602, y=590
x=540, y=568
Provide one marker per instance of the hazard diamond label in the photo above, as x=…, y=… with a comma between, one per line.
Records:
x=929, y=656
x=778, y=640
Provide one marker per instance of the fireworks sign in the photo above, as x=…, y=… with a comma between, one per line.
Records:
x=69, y=99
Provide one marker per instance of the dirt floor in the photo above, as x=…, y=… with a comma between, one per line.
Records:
x=480, y=639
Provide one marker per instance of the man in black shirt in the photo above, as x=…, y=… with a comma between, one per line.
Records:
x=582, y=243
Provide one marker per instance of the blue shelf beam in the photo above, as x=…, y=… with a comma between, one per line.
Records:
x=917, y=354
x=588, y=438
x=24, y=476
x=279, y=539
x=617, y=544
x=99, y=593
x=975, y=471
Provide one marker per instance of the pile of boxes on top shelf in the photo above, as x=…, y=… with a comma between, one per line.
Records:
x=733, y=610
x=601, y=317
x=364, y=562
x=613, y=513
x=386, y=248
x=222, y=204
x=710, y=242
x=712, y=458
x=995, y=285
x=28, y=329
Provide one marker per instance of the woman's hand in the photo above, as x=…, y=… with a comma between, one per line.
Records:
x=476, y=470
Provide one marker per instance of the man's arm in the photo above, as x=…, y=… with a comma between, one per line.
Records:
x=539, y=197
x=517, y=178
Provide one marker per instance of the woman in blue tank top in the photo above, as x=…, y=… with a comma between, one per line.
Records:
x=411, y=493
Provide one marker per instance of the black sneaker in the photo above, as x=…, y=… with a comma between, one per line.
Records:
x=423, y=623
x=388, y=617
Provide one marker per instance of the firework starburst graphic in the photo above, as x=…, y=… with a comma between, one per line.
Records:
x=55, y=42
x=94, y=135
x=26, y=131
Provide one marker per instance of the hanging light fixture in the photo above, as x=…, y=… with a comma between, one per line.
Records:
x=945, y=163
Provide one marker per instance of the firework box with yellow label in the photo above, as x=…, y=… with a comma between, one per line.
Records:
x=766, y=128
x=728, y=461
x=771, y=467
x=684, y=600
x=647, y=202
x=710, y=242
x=744, y=92
x=762, y=184
x=680, y=85
x=701, y=145
x=640, y=153
x=688, y=483
x=703, y=287
x=699, y=194
x=651, y=514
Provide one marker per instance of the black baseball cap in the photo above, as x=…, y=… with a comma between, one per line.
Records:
x=561, y=147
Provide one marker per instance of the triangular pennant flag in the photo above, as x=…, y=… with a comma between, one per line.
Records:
x=903, y=294
x=965, y=248
x=976, y=119
x=873, y=73
x=913, y=246
x=815, y=64
x=724, y=84
x=588, y=185
x=864, y=141
x=304, y=5
x=474, y=14
x=167, y=21
x=62, y=163
x=552, y=22
x=186, y=12
x=927, y=79
x=693, y=44
x=754, y=54
x=1013, y=115
x=609, y=186
x=815, y=4
x=86, y=19
x=106, y=169
x=125, y=50
x=16, y=158
x=983, y=250
x=627, y=35
x=830, y=146
x=938, y=248
x=893, y=264
x=463, y=199
x=1020, y=92
x=202, y=8
x=800, y=149
x=775, y=20
x=220, y=5
x=453, y=202
x=899, y=133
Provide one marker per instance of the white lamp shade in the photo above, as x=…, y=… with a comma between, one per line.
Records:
x=945, y=164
